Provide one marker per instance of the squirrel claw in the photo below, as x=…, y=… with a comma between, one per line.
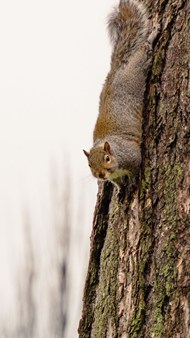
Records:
x=155, y=31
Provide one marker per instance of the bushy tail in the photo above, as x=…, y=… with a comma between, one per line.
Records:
x=128, y=27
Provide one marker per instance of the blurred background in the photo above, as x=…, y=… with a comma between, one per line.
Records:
x=54, y=58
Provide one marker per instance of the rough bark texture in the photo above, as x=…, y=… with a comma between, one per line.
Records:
x=138, y=280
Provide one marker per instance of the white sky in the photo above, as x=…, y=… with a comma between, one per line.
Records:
x=54, y=58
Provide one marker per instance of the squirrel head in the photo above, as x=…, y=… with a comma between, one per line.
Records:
x=101, y=161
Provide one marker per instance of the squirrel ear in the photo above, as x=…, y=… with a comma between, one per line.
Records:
x=107, y=147
x=86, y=153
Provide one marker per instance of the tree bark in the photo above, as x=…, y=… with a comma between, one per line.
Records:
x=138, y=280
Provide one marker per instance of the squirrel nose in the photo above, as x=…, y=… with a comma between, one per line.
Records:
x=101, y=174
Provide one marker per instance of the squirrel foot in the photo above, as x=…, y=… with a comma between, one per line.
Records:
x=156, y=28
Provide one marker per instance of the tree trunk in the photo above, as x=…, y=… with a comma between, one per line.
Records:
x=138, y=280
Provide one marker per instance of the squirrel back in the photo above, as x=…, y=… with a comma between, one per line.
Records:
x=117, y=134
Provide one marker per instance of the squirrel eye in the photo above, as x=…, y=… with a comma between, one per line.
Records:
x=107, y=158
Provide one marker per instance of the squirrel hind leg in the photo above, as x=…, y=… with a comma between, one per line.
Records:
x=154, y=33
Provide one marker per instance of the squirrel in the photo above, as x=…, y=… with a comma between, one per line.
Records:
x=116, y=151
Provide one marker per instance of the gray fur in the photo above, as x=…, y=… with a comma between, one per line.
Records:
x=119, y=122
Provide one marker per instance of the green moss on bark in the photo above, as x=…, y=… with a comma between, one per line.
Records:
x=106, y=305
